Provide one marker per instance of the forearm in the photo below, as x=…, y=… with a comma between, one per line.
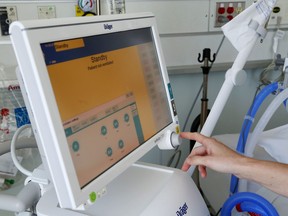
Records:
x=270, y=174
x=215, y=155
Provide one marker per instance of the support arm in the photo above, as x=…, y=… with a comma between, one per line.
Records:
x=25, y=199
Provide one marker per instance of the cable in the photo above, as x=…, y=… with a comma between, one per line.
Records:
x=218, y=49
x=13, y=150
x=193, y=106
x=179, y=152
x=218, y=212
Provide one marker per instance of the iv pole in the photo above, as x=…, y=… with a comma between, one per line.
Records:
x=206, y=58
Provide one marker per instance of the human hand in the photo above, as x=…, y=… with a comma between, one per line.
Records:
x=212, y=154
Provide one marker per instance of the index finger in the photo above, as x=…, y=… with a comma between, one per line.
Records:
x=194, y=136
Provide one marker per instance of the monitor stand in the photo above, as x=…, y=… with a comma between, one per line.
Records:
x=143, y=189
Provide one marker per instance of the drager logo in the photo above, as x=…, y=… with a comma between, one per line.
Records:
x=182, y=210
x=107, y=26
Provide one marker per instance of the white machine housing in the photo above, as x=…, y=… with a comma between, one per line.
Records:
x=161, y=191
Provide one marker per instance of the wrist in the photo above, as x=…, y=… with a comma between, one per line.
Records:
x=243, y=167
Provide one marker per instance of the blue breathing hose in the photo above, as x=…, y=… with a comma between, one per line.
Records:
x=252, y=112
x=260, y=205
x=248, y=121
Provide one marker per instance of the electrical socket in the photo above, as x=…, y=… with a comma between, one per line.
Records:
x=46, y=12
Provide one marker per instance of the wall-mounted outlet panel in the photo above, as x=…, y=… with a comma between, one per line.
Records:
x=8, y=14
x=222, y=11
x=46, y=12
x=279, y=16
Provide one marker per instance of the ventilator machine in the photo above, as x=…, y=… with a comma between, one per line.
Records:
x=99, y=98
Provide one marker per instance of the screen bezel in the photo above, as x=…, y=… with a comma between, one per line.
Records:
x=46, y=121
